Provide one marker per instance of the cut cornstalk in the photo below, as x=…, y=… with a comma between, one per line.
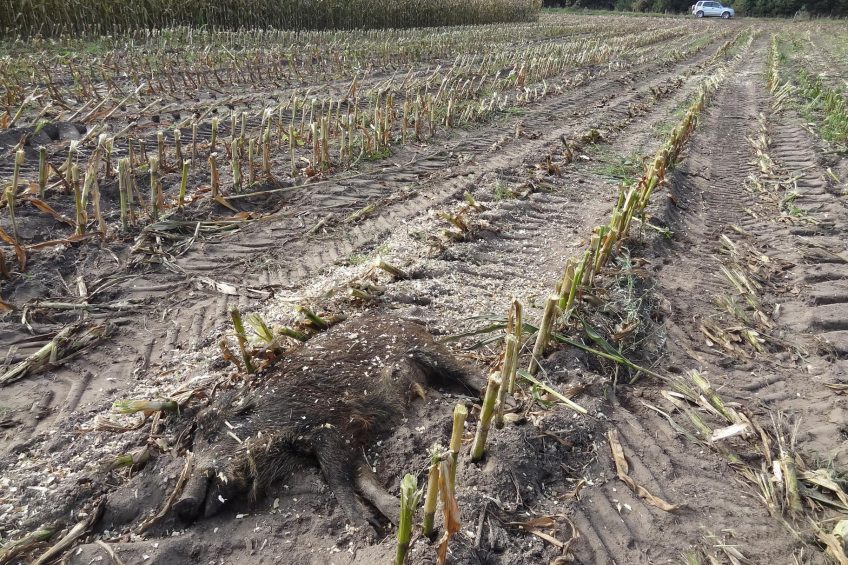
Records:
x=460, y=413
x=160, y=144
x=12, y=549
x=543, y=335
x=98, y=214
x=214, y=138
x=213, y=173
x=266, y=153
x=391, y=269
x=479, y=446
x=564, y=284
x=154, y=188
x=510, y=365
x=80, y=213
x=194, y=140
x=178, y=149
x=184, y=182
x=292, y=333
x=241, y=338
x=123, y=188
x=291, y=150
x=576, y=283
x=251, y=166
x=409, y=498
x=146, y=406
x=790, y=479
x=235, y=162
x=517, y=320
x=431, y=498
x=42, y=171
x=313, y=318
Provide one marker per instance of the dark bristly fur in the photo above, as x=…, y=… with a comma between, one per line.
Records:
x=324, y=402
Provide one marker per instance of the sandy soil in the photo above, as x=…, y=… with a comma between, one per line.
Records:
x=548, y=490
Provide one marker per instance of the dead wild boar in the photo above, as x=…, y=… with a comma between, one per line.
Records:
x=325, y=402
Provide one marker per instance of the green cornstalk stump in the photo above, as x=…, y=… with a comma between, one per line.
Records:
x=510, y=365
x=42, y=171
x=460, y=413
x=314, y=318
x=544, y=334
x=409, y=498
x=292, y=333
x=135, y=405
x=564, y=285
x=184, y=182
x=241, y=337
x=123, y=188
x=391, y=269
x=517, y=326
x=576, y=284
x=479, y=446
x=431, y=498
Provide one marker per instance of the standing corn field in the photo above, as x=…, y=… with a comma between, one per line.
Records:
x=53, y=17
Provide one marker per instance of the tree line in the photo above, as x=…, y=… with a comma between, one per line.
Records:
x=760, y=8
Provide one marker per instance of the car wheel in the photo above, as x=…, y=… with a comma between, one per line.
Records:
x=725, y=15
x=699, y=15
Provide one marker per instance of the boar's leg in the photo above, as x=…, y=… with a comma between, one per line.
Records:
x=375, y=493
x=442, y=367
x=338, y=461
x=194, y=494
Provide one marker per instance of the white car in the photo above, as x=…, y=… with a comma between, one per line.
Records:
x=711, y=8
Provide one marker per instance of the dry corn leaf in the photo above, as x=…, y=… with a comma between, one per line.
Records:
x=838, y=387
x=53, y=242
x=548, y=538
x=622, y=468
x=224, y=202
x=833, y=545
x=20, y=252
x=729, y=431
x=538, y=522
x=450, y=508
x=824, y=478
x=47, y=209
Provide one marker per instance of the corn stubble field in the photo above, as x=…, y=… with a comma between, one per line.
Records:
x=633, y=225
